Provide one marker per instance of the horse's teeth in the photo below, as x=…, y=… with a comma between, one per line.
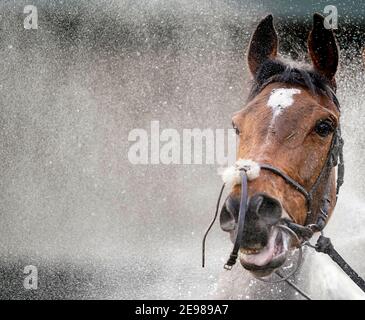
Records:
x=250, y=251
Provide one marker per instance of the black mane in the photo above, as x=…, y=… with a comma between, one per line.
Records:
x=277, y=71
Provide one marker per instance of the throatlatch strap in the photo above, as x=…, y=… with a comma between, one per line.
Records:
x=241, y=222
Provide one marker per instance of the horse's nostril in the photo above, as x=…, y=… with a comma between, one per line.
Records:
x=233, y=205
x=229, y=214
x=266, y=208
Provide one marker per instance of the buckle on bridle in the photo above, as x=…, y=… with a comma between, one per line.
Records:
x=305, y=232
x=231, y=261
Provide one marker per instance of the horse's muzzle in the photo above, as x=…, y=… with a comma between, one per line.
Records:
x=263, y=212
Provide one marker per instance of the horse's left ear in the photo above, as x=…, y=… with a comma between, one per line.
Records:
x=323, y=49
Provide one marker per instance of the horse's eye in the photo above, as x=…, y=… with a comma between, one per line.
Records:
x=324, y=127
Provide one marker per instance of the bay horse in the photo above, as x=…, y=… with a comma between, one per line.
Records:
x=288, y=140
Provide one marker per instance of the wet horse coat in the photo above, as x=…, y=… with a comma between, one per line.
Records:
x=288, y=123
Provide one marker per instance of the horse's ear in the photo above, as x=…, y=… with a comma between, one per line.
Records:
x=263, y=45
x=323, y=48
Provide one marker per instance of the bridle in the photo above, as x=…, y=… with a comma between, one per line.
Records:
x=315, y=219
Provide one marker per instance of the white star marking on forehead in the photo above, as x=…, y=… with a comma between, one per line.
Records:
x=280, y=99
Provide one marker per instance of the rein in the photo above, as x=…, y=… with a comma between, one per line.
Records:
x=314, y=221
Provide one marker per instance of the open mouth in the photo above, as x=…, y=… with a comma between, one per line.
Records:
x=263, y=262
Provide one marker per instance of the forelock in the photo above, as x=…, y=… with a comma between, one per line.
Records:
x=289, y=73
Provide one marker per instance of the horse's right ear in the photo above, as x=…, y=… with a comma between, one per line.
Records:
x=263, y=45
x=323, y=50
